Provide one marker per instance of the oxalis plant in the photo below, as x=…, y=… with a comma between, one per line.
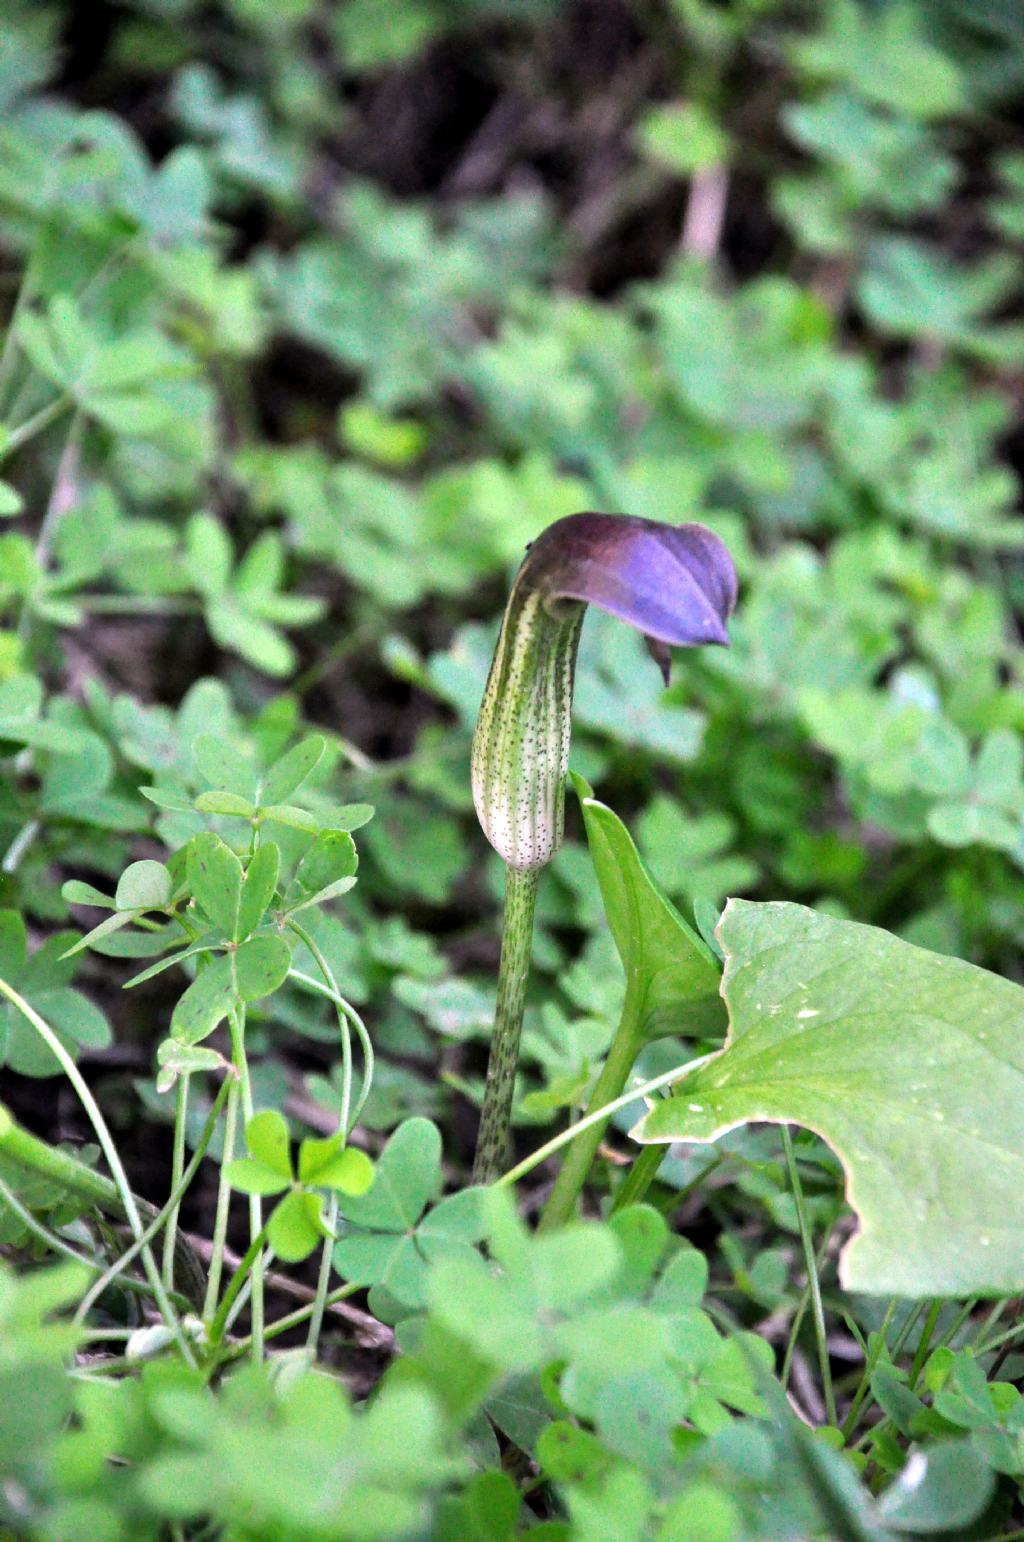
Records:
x=235, y=907
x=676, y=585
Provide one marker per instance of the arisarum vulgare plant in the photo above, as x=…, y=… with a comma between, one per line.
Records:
x=676, y=584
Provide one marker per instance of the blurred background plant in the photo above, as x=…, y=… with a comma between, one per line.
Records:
x=317, y=313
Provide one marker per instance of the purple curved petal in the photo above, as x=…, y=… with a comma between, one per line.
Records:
x=674, y=583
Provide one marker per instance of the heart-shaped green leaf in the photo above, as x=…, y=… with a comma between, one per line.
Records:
x=295, y=1228
x=330, y=1164
x=909, y=1063
x=266, y=1140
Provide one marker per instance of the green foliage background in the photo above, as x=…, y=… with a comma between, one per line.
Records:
x=317, y=314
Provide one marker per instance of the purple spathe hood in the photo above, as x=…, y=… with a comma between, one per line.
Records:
x=674, y=583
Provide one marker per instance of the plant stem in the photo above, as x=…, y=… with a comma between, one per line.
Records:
x=643, y=1090
x=924, y=1343
x=990, y=1321
x=237, y=1022
x=29, y=1151
x=291, y=1320
x=137, y=604
x=345, y=1121
x=113, y=1160
x=641, y=1175
x=220, y=1224
x=517, y=935
x=177, y=1168
x=36, y=423
x=169, y=1209
x=238, y=1279
x=625, y=1047
x=357, y=1023
x=850, y=1422
x=798, y=1321
x=56, y=1243
x=1001, y=1339
x=9, y=352
x=810, y=1262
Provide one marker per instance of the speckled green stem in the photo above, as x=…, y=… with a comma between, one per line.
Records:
x=517, y=933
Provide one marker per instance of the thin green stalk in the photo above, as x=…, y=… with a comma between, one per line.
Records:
x=958, y=1322
x=357, y=1023
x=9, y=351
x=220, y=1221
x=643, y=1090
x=177, y=1168
x=517, y=935
x=622, y=1055
x=36, y=423
x=266, y=1258
x=642, y=1173
x=990, y=1321
x=20, y=844
x=237, y=1024
x=63, y=1169
x=1003, y=1338
x=798, y=1319
x=57, y=1244
x=675, y=1197
x=902, y=1336
x=345, y=1120
x=817, y=1309
x=924, y=1343
x=794, y=1336
x=238, y=1279
x=162, y=1216
x=113, y=1160
x=850, y=1422
x=137, y=605
x=346, y=1038
x=291, y=1320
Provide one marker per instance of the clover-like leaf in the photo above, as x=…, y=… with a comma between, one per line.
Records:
x=295, y=1227
x=327, y=868
x=224, y=766
x=330, y=1164
x=387, y=1241
x=176, y=1058
x=268, y=1167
